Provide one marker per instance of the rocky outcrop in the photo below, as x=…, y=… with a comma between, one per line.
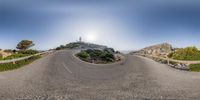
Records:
x=180, y=66
x=81, y=45
x=156, y=50
x=4, y=54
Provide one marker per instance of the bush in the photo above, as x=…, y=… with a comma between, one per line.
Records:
x=83, y=55
x=94, y=54
x=195, y=67
x=18, y=64
x=189, y=53
x=170, y=55
x=8, y=51
x=30, y=52
x=21, y=53
x=13, y=56
x=1, y=57
x=109, y=50
x=107, y=57
x=97, y=56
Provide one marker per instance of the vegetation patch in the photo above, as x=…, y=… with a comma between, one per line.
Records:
x=19, y=54
x=189, y=53
x=18, y=64
x=79, y=45
x=23, y=51
x=195, y=67
x=1, y=57
x=14, y=56
x=97, y=56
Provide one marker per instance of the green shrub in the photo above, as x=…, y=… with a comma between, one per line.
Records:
x=94, y=54
x=30, y=52
x=98, y=56
x=109, y=50
x=58, y=48
x=83, y=55
x=170, y=55
x=189, y=53
x=107, y=57
x=195, y=67
x=8, y=51
x=14, y=56
x=1, y=57
x=18, y=64
x=21, y=53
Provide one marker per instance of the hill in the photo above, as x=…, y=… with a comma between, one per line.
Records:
x=81, y=45
x=157, y=50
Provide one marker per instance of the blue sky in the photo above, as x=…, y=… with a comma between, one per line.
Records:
x=122, y=24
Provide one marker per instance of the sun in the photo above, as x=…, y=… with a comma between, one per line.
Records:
x=91, y=37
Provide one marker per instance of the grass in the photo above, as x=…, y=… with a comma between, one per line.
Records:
x=18, y=54
x=18, y=64
x=14, y=56
x=1, y=57
x=194, y=67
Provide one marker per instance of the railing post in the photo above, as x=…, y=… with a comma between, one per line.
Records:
x=13, y=62
x=167, y=61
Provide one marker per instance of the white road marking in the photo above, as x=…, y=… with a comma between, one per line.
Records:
x=67, y=68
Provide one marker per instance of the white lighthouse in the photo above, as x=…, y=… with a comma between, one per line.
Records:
x=80, y=39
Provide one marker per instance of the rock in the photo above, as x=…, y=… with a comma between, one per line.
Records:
x=181, y=66
x=4, y=54
x=156, y=50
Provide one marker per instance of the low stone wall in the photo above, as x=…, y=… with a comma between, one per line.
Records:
x=172, y=63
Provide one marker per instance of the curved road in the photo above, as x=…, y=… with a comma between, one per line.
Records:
x=59, y=76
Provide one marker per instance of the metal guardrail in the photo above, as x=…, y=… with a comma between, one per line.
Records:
x=22, y=58
x=173, y=60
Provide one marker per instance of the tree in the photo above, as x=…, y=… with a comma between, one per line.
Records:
x=83, y=55
x=25, y=44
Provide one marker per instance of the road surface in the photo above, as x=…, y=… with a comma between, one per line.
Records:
x=60, y=76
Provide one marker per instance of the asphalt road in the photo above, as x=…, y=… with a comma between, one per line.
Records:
x=60, y=76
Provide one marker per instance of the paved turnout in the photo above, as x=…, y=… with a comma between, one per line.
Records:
x=60, y=76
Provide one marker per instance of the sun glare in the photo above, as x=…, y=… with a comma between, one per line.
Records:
x=91, y=37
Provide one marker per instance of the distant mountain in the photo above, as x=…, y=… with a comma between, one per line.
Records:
x=156, y=50
x=126, y=51
x=81, y=45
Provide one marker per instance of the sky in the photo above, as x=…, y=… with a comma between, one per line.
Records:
x=121, y=24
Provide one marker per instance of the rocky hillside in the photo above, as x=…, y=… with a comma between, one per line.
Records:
x=81, y=45
x=156, y=50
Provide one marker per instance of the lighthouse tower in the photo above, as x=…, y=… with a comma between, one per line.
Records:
x=80, y=39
